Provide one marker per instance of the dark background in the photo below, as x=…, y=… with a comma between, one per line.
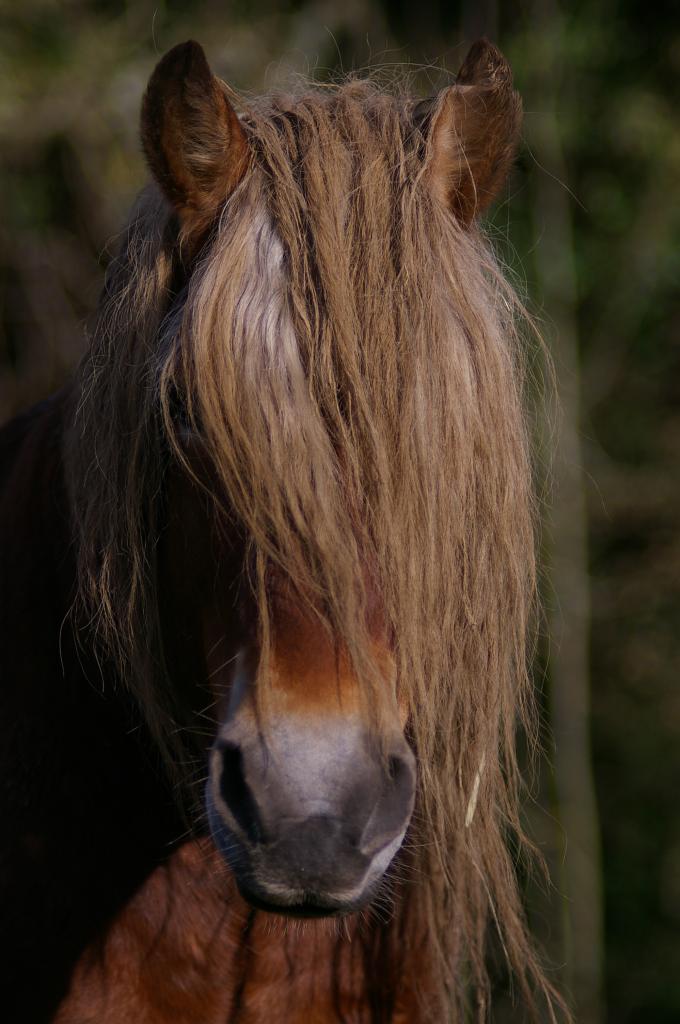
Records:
x=589, y=229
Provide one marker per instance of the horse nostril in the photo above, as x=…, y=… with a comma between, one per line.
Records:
x=391, y=814
x=400, y=774
x=236, y=793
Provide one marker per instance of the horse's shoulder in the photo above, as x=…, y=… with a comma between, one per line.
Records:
x=30, y=465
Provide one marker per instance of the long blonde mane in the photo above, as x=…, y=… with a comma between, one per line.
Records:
x=352, y=360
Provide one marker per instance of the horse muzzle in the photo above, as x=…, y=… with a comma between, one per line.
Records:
x=310, y=814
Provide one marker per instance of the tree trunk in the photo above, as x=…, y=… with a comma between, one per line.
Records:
x=567, y=530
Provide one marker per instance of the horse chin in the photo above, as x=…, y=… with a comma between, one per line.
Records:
x=303, y=905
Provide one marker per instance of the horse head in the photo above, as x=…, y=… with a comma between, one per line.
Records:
x=301, y=447
x=311, y=781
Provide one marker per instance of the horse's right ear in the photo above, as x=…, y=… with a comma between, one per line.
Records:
x=194, y=143
x=472, y=130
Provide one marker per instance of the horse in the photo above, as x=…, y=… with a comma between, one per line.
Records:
x=268, y=579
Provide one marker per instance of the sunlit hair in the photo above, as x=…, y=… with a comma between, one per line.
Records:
x=352, y=361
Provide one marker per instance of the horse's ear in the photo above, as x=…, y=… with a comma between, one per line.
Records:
x=192, y=138
x=473, y=128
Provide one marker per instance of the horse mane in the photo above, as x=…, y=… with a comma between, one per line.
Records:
x=354, y=363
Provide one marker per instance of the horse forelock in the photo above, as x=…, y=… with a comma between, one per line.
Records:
x=352, y=360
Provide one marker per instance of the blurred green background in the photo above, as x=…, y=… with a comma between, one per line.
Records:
x=590, y=228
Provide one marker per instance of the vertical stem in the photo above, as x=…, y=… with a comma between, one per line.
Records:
x=568, y=533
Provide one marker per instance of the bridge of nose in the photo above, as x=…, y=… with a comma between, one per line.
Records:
x=313, y=796
x=305, y=767
x=307, y=749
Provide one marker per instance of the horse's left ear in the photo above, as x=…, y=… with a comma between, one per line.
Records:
x=473, y=129
x=193, y=140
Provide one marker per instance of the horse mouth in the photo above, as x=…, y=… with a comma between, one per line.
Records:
x=310, y=905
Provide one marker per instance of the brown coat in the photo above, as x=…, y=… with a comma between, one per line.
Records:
x=188, y=950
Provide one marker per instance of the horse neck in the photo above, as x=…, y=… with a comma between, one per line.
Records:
x=77, y=783
x=211, y=957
